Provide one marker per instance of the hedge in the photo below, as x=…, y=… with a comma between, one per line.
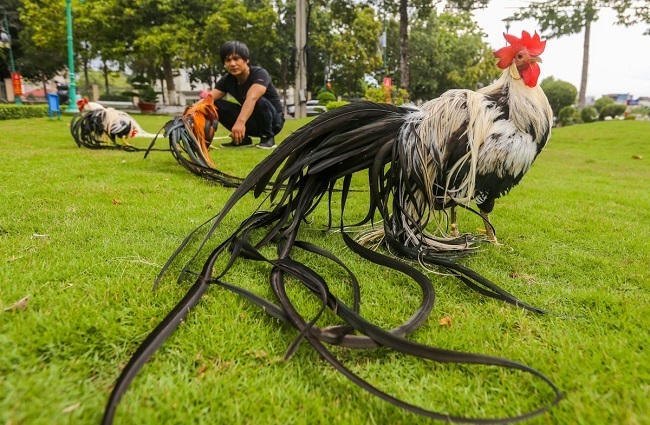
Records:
x=14, y=112
x=337, y=104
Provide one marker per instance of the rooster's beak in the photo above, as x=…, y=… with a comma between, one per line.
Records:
x=536, y=59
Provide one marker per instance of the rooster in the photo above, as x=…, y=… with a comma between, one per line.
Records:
x=190, y=137
x=463, y=146
x=97, y=122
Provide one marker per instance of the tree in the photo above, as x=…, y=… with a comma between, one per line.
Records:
x=408, y=13
x=354, y=48
x=564, y=17
x=559, y=93
x=252, y=22
x=424, y=8
x=448, y=53
x=40, y=64
x=404, y=10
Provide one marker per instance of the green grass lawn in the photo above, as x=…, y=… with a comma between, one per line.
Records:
x=83, y=233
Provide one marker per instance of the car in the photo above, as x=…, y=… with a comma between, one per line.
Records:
x=313, y=108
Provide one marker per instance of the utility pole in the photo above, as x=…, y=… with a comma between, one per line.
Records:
x=300, y=92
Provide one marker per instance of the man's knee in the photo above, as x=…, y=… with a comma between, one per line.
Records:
x=227, y=112
x=263, y=105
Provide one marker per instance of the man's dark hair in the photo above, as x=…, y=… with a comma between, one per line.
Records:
x=234, y=47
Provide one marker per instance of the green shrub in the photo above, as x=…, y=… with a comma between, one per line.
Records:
x=568, y=116
x=612, y=111
x=630, y=117
x=326, y=97
x=378, y=94
x=602, y=102
x=589, y=114
x=147, y=94
x=336, y=104
x=14, y=112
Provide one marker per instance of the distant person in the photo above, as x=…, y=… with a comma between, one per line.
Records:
x=259, y=113
x=63, y=91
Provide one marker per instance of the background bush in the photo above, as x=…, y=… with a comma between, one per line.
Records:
x=336, y=104
x=612, y=111
x=14, y=112
x=589, y=114
x=326, y=97
x=568, y=116
x=378, y=94
x=602, y=102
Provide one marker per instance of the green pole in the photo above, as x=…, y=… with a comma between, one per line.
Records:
x=72, y=106
x=11, y=58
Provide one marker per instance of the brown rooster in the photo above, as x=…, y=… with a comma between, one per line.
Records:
x=201, y=119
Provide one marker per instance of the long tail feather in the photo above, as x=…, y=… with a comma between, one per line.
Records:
x=333, y=147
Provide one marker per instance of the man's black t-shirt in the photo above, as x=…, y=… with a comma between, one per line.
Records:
x=258, y=75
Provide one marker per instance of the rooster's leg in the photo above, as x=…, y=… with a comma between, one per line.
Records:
x=489, y=231
x=453, y=223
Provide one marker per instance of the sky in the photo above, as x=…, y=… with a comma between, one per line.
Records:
x=619, y=59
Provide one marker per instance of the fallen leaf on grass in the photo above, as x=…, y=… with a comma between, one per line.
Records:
x=39, y=235
x=18, y=305
x=71, y=408
x=637, y=156
x=115, y=202
x=446, y=321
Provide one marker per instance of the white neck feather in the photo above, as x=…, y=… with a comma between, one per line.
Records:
x=528, y=105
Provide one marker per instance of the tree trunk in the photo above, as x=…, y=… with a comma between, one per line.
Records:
x=106, y=78
x=585, y=67
x=283, y=74
x=87, y=80
x=349, y=88
x=162, y=90
x=44, y=82
x=168, y=73
x=405, y=77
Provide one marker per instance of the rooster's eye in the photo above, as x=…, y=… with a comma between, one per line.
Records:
x=519, y=56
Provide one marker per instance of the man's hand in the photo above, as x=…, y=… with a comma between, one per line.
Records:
x=203, y=94
x=238, y=132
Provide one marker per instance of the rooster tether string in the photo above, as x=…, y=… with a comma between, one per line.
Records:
x=408, y=184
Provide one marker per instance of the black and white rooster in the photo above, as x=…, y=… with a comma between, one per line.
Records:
x=98, y=125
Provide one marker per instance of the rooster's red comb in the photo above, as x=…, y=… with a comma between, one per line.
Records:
x=533, y=44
